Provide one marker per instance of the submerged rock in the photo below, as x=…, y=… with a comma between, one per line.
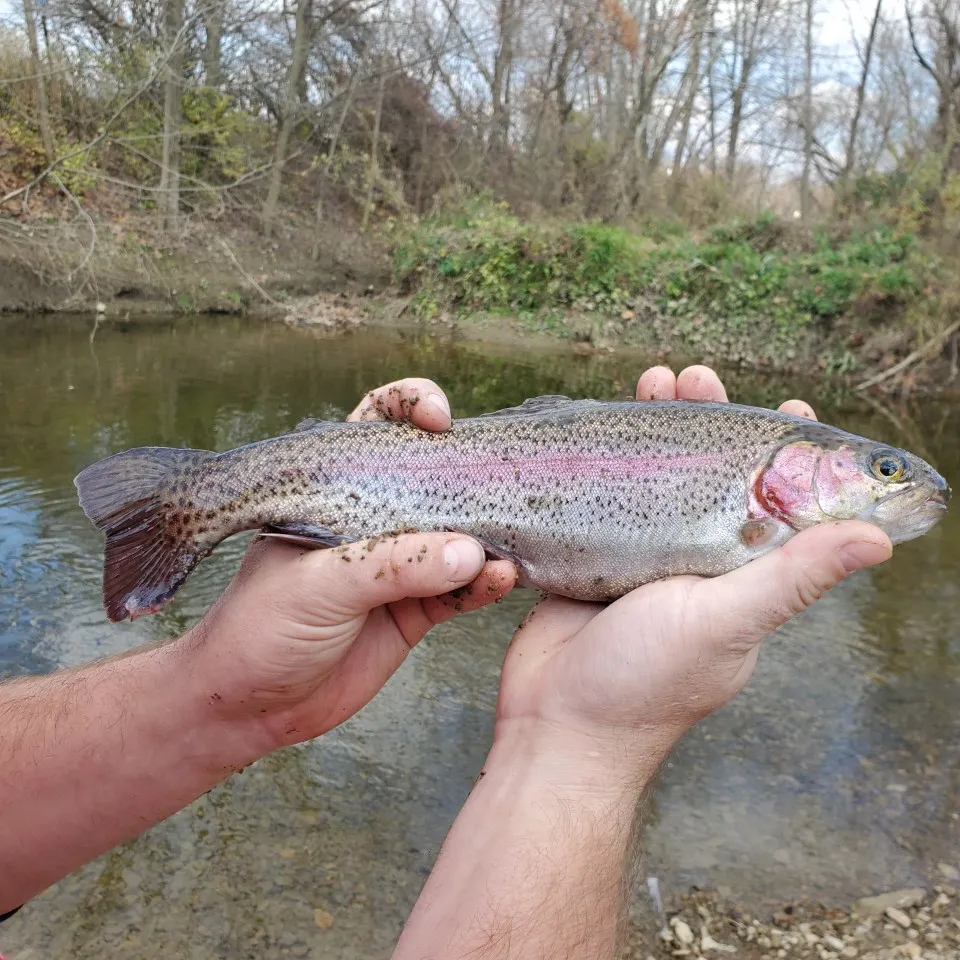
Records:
x=896, y=899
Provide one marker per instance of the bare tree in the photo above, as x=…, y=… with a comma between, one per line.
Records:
x=373, y=174
x=865, y=58
x=508, y=15
x=942, y=21
x=564, y=104
x=691, y=83
x=38, y=68
x=172, y=111
x=301, y=40
x=213, y=26
x=750, y=32
x=807, y=110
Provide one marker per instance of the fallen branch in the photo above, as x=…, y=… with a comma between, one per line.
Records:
x=246, y=276
x=912, y=358
x=90, y=224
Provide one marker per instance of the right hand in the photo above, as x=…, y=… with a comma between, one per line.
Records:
x=624, y=682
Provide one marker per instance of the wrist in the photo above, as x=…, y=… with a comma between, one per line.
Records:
x=608, y=765
x=224, y=735
x=542, y=854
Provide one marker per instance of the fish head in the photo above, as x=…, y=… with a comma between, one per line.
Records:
x=842, y=477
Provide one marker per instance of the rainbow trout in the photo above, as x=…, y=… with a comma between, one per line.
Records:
x=589, y=499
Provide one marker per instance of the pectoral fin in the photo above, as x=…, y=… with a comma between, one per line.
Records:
x=305, y=535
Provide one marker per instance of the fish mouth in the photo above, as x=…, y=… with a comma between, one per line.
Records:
x=904, y=520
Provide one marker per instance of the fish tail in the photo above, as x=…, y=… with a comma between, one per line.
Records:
x=149, y=549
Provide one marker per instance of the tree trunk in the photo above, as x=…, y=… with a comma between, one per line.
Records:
x=499, y=87
x=38, y=67
x=424, y=144
x=736, y=114
x=331, y=156
x=712, y=100
x=807, y=114
x=374, y=173
x=289, y=110
x=850, y=158
x=692, y=80
x=213, y=23
x=945, y=72
x=172, y=96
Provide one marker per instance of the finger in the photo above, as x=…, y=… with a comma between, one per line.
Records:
x=415, y=399
x=360, y=576
x=744, y=606
x=798, y=408
x=496, y=580
x=657, y=383
x=700, y=383
x=416, y=617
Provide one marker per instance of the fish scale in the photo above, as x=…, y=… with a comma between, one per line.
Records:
x=589, y=499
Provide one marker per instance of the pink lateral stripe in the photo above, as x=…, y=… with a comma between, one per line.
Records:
x=561, y=465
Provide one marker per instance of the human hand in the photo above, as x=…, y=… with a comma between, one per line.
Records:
x=302, y=639
x=627, y=680
x=540, y=860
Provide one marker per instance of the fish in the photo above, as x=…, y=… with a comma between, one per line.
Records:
x=588, y=498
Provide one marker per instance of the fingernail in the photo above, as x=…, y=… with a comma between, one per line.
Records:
x=862, y=553
x=463, y=559
x=439, y=403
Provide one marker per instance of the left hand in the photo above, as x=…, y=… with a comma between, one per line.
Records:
x=302, y=639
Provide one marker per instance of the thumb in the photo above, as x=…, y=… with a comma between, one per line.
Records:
x=745, y=605
x=367, y=574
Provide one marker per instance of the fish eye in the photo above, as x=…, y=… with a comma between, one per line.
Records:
x=888, y=466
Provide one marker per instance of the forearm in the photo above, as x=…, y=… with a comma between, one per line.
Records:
x=94, y=756
x=540, y=861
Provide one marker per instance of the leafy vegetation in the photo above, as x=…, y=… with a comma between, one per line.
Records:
x=480, y=257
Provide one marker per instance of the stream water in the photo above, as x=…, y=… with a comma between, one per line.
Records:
x=835, y=774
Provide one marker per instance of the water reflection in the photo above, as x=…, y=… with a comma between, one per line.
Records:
x=834, y=774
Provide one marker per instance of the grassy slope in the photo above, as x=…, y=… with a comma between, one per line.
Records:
x=760, y=292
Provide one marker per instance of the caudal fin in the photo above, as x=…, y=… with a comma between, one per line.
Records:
x=147, y=556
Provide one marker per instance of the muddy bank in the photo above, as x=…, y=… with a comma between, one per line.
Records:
x=133, y=269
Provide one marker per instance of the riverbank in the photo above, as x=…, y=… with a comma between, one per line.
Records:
x=335, y=314
x=905, y=924
x=132, y=268
x=754, y=295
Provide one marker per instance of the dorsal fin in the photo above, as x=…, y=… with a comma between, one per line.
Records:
x=534, y=405
x=312, y=423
